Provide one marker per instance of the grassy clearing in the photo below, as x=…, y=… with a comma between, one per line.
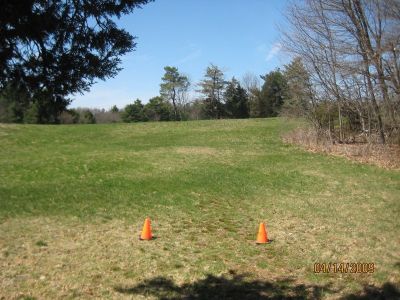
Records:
x=73, y=200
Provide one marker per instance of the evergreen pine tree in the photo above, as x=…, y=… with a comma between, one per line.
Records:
x=236, y=100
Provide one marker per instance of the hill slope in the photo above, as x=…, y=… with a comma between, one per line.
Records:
x=73, y=200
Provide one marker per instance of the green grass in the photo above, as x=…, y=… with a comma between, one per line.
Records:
x=73, y=200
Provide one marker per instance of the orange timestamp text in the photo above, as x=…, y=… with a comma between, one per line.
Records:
x=342, y=267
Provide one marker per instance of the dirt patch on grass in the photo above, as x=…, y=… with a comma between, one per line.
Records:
x=7, y=129
x=197, y=150
x=7, y=126
x=193, y=153
x=385, y=156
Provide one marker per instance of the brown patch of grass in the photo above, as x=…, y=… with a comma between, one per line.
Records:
x=7, y=129
x=196, y=150
x=385, y=156
x=4, y=125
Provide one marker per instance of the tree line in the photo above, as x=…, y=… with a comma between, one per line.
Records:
x=218, y=98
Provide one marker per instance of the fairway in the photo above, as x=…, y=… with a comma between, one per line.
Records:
x=73, y=199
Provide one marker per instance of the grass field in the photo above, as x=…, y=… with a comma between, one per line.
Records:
x=73, y=200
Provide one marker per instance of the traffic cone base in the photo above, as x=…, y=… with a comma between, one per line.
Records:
x=262, y=236
x=267, y=242
x=146, y=234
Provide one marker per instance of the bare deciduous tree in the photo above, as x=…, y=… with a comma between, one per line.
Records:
x=350, y=48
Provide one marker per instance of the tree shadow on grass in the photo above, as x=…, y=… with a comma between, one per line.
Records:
x=231, y=286
x=386, y=291
x=240, y=286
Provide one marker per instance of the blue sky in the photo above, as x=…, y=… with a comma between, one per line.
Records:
x=239, y=36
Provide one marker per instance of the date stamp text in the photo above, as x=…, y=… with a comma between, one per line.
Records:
x=342, y=267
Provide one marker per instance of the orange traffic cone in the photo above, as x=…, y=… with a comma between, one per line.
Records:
x=146, y=231
x=262, y=237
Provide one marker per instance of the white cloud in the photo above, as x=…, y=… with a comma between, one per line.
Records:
x=191, y=56
x=273, y=51
x=193, y=52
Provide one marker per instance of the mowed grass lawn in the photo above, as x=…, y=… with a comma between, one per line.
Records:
x=73, y=200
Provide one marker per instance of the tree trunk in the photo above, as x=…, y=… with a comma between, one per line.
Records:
x=363, y=41
x=340, y=123
x=174, y=104
x=375, y=55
